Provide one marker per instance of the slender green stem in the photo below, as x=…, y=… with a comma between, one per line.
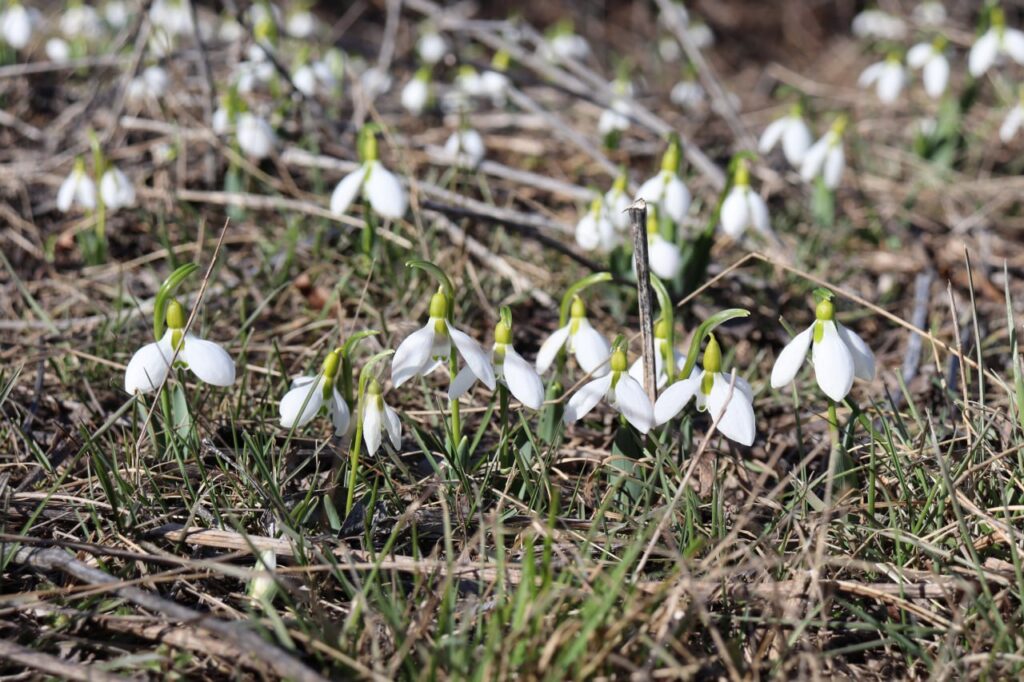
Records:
x=833, y=424
x=453, y=370
x=503, y=456
x=353, y=467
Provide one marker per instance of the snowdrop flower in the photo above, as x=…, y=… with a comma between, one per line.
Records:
x=378, y=418
x=416, y=93
x=510, y=369
x=116, y=189
x=58, y=50
x=743, y=207
x=687, y=94
x=255, y=137
x=429, y=348
x=77, y=189
x=668, y=48
x=16, y=26
x=826, y=157
x=1014, y=119
x=887, y=76
x=175, y=18
x=661, y=351
x=308, y=395
x=309, y=78
x=595, y=230
x=81, y=21
x=996, y=42
x=562, y=44
x=151, y=84
x=374, y=182
x=700, y=35
x=300, y=24
x=375, y=82
x=590, y=349
x=622, y=392
x=432, y=47
x=116, y=13
x=221, y=120
x=838, y=355
x=665, y=259
x=794, y=134
x=930, y=13
x=465, y=148
x=666, y=190
x=930, y=57
x=614, y=119
x=150, y=365
x=493, y=82
x=262, y=587
x=616, y=203
x=874, y=23
x=712, y=389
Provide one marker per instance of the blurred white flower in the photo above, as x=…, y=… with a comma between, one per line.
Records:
x=826, y=157
x=465, y=148
x=930, y=13
x=308, y=395
x=1012, y=122
x=16, y=26
x=664, y=257
x=565, y=46
x=81, y=21
x=616, y=201
x=494, y=84
x=150, y=85
x=668, y=192
x=255, y=137
x=687, y=94
x=595, y=229
x=510, y=369
x=300, y=24
x=700, y=35
x=468, y=81
x=116, y=189
x=614, y=119
x=668, y=49
x=262, y=588
x=173, y=16
x=314, y=77
x=432, y=47
x=998, y=41
x=744, y=208
x=874, y=23
x=378, y=185
x=375, y=82
x=77, y=189
x=794, y=134
x=931, y=58
x=416, y=94
x=116, y=13
x=887, y=76
x=58, y=50
x=579, y=338
x=622, y=392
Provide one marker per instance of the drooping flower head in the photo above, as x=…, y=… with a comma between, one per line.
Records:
x=379, y=418
x=744, y=208
x=666, y=189
x=931, y=58
x=308, y=394
x=887, y=76
x=616, y=203
x=416, y=93
x=579, y=338
x=623, y=392
x=997, y=41
x=379, y=186
x=665, y=356
x=77, y=189
x=826, y=157
x=510, y=369
x=595, y=230
x=793, y=132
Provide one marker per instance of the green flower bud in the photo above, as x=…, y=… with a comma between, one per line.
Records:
x=939, y=43
x=501, y=61
x=175, y=315
x=368, y=145
x=670, y=161
x=825, y=311
x=742, y=176
x=712, y=356
x=439, y=305
x=997, y=18
x=331, y=363
x=502, y=333
x=621, y=182
x=839, y=125
x=662, y=328
x=578, y=309
x=619, y=363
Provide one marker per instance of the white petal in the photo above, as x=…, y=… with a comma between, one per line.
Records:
x=664, y=258
x=833, y=363
x=813, y=160
x=85, y=192
x=936, y=76
x=676, y=201
x=735, y=215
x=340, y=415
x=652, y=190
x=346, y=190
x=674, y=398
x=412, y=355
x=208, y=361
x=863, y=358
x=737, y=423
x=772, y=134
x=522, y=380
x=792, y=356
x=759, y=218
x=870, y=74
x=549, y=349
x=1013, y=44
x=633, y=403
x=373, y=425
x=835, y=163
x=591, y=349
x=293, y=414
x=462, y=382
x=147, y=369
x=796, y=141
x=890, y=83
x=587, y=235
x=415, y=95
x=393, y=425
x=474, y=355
x=66, y=193
x=919, y=54
x=1011, y=124
x=385, y=192
x=983, y=53
x=302, y=381
x=585, y=399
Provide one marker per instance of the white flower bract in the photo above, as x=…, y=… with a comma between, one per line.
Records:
x=150, y=365
x=304, y=400
x=838, y=355
x=736, y=423
x=378, y=185
x=465, y=148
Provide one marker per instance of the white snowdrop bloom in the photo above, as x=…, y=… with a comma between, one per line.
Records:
x=494, y=84
x=262, y=587
x=687, y=94
x=510, y=369
x=429, y=348
x=794, y=134
x=1012, y=122
x=595, y=230
x=826, y=157
x=150, y=365
x=661, y=352
x=308, y=395
x=77, y=189
x=669, y=50
x=579, y=338
x=465, y=148
x=931, y=58
x=116, y=190
x=255, y=137
x=58, y=50
x=375, y=82
x=614, y=119
x=300, y=24
x=667, y=190
x=733, y=407
x=81, y=21
x=929, y=13
x=116, y=13
x=376, y=184
x=316, y=77
x=173, y=16
x=432, y=47
x=255, y=53
x=926, y=126
x=700, y=35
x=231, y=31
x=305, y=80
x=150, y=85
x=838, y=355
x=250, y=75
x=221, y=122
x=379, y=418
x=887, y=76
x=616, y=203
x=664, y=256
x=997, y=42
x=622, y=392
x=468, y=81
x=744, y=208
x=416, y=94
x=875, y=23
x=565, y=46
x=16, y=26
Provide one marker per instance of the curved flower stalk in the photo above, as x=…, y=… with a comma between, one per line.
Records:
x=931, y=58
x=731, y=403
x=377, y=185
x=116, y=189
x=1014, y=118
x=510, y=369
x=465, y=148
x=875, y=23
x=826, y=157
x=309, y=394
x=78, y=189
x=579, y=338
x=432, y=347
x=794, y=134
x=744, y=208
x=150, y=365
x=838, y=353
x=998, y=41
x=887, y=76
x=379, y=418
x=622, y=392
x=595, y=230
x=416, y=93
x=666, y=190
x=16, y=24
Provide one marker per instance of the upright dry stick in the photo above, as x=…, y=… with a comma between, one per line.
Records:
x=638, y=225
